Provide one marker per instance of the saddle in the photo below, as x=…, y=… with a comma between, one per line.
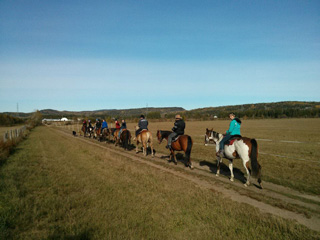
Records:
x=232, y=139
x=176, y=138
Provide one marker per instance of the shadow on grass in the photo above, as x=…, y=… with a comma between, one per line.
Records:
x=224, y=170
x=179, y=156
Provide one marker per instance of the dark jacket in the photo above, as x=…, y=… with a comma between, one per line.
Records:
x=124, y=125
x=143, y=124
x=98, y=124
x=179, y=127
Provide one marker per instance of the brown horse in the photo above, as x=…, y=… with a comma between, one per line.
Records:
x=84, y=130
x=183, y=143
x=144, y=137
x=105, y=134
x=115, y=134
x=125, y=138
x=239, y=147
x=97, y=133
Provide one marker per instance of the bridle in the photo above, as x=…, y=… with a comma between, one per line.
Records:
x=210, y=137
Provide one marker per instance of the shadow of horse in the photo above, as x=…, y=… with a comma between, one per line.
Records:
x=149, y=151
x=224, y=170
x=179, y=156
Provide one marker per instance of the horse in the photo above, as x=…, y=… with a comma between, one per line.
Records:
x=144, y=137
x=97, y=133
x=239, y=147
x=115, y=133
x=125, y=138
x=105, y=134
x=183, y=143
x=90, y=131
x=84, y=130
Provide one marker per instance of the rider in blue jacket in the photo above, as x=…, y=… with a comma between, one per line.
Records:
x=104, y=125
x=234, y=129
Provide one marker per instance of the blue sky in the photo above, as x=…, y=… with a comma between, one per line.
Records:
x=89, y=55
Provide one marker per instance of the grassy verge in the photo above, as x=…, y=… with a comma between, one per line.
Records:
x=57, y=188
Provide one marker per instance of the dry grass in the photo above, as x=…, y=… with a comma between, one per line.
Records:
x=3, y=130
x=295, y=165
x=57, y=188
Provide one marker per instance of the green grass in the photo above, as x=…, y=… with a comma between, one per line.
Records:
x=54, y=187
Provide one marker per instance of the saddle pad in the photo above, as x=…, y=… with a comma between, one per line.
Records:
x=231, y=140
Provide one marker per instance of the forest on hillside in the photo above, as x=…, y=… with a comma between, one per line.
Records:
x=246, y=111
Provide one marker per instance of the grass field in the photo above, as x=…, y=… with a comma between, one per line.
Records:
x=57, y=187
x=289, y=148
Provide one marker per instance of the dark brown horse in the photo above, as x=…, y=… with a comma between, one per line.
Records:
x=125, y=138
x=183, y=143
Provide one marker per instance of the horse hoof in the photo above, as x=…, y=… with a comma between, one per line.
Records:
x=231, y=179
x=217, y=175
x=246, y=185
x=192, y=167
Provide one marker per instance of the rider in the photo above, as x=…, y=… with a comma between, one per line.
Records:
x=178, y=129
x=143, y=124
x=98, y=124
x=89, y=124
x=234, y=129
x=104, y=125
x=117, y=126
x=123, y=126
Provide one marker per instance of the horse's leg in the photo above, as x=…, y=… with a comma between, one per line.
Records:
x=137, y=149
x=231, y=171
x=144, y=148
x=246, y=166
x=174, y=157
x=151, y=146
x=219, y=160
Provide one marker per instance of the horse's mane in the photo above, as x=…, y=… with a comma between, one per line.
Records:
x=165, y=134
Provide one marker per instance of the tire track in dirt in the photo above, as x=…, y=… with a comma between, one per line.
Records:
x=219, y=185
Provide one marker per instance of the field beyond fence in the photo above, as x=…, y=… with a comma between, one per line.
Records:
x=13, y=133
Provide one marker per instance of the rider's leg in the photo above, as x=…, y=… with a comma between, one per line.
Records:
x=170, y=138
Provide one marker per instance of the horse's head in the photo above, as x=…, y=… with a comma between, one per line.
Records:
x=210, y=136
x=159, y=136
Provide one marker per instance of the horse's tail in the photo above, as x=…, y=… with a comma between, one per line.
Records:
x=126, y=142
x=256, y=168
x=189, y=147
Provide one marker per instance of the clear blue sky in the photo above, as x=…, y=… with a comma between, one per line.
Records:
x=89, y=55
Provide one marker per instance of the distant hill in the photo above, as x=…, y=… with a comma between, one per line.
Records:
x=256, y=110
x=105, y=113
x=259, y=110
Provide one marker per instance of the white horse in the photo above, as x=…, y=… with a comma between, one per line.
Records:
x=240, y=147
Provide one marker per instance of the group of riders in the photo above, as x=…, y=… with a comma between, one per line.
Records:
x=177, y=130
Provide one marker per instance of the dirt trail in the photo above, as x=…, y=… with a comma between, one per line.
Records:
x=204, y=178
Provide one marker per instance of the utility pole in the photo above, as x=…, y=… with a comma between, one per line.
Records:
x=17, y=109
